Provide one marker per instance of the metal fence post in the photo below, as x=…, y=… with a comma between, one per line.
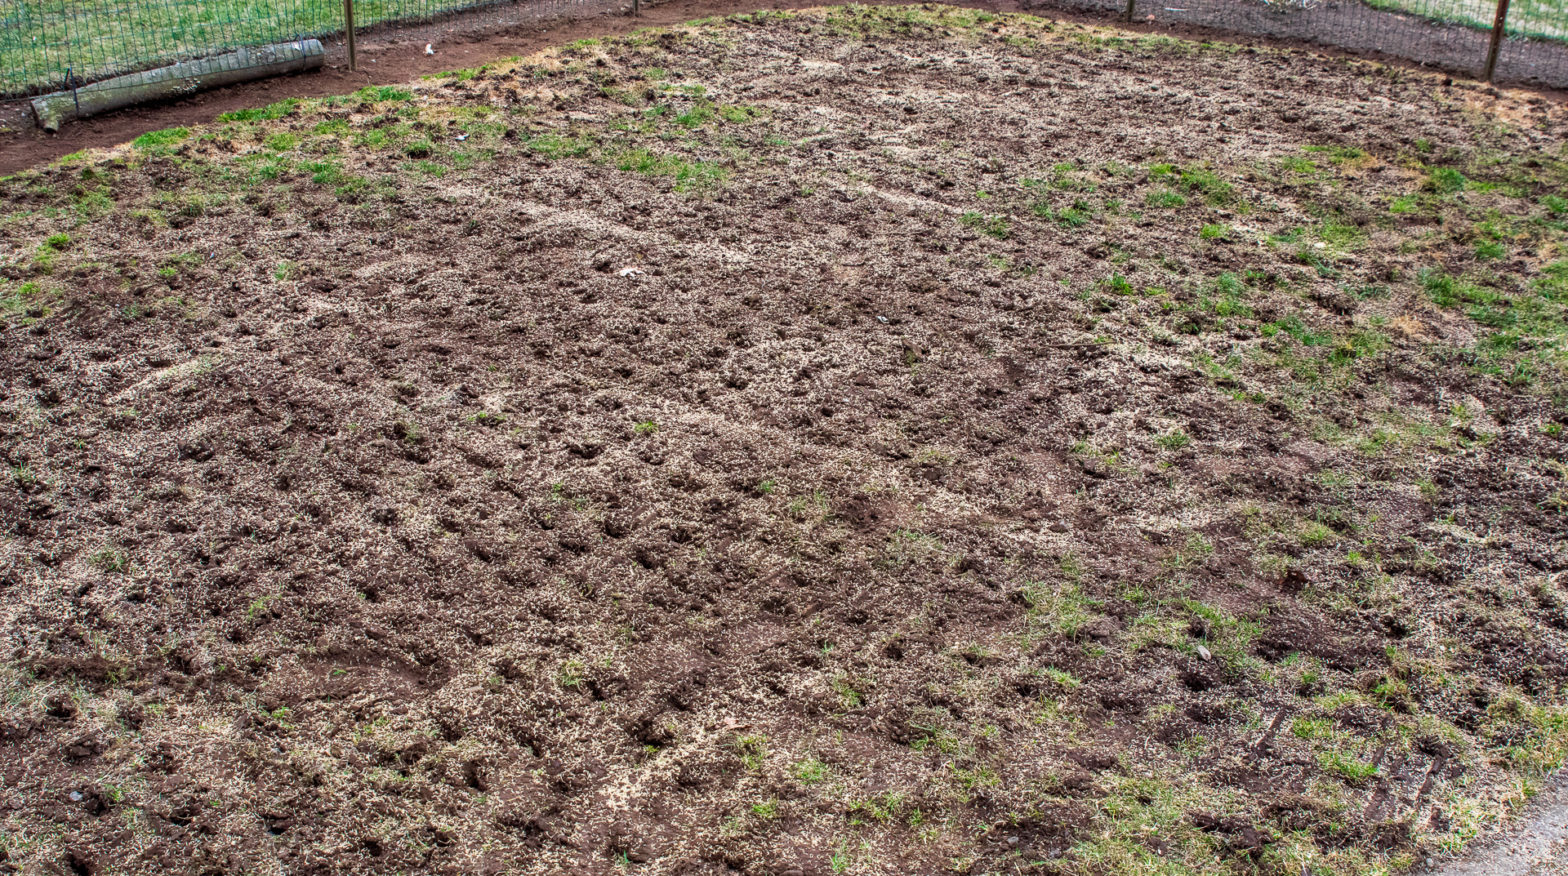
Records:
x=1498, y=26
x=348, y=31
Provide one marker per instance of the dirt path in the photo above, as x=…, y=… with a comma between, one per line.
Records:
x=1536, y=846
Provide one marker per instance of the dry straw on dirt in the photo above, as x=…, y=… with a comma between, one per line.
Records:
x=898, y=440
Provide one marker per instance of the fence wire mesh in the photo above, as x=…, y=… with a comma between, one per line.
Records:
x=1450, y=35
x=50, y=45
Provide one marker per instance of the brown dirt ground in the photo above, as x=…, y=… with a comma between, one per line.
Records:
x=890, y=440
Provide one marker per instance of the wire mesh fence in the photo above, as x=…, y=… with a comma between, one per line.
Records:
x=1450, y=35
x=47, y=45
x=52, y=45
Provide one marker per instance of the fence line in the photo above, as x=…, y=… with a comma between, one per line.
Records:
x=53, y=45
x=1530, y=44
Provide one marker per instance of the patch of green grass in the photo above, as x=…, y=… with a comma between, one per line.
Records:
x=753, y=750
x=384, y=93
x=1297, y=164
x=1061, y=607
x=1075, y=216
x=992, y=226
x=1446, y=181
x=554, y=146
x=161, y=141
x=1353, y=770
x=1312, y=728
x=697, y=116
x=1315, y=534
x=1205, y=183
x=810, y=771
x=109, y=559
x=688, y=175
x=258, y=114
x=1490, y=250
x=1340, y=236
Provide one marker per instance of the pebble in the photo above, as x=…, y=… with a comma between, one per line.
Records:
x=1204, y=653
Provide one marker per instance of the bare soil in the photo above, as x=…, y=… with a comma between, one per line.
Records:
x=891, y=440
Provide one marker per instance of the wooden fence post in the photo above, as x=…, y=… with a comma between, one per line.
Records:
x=1499, y=24
x=348, y=31
x=1130, y=4
x=636, y=7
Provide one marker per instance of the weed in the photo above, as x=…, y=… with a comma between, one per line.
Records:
x=570, y=674
x=109, y=559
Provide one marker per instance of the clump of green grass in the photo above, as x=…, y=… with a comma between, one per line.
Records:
x=1446, y=181
x=109, y=559
x=161, y=141
x=384, y=93
x=1297, y=164
x=1315, y=534
x=259, y=114
x=992, y=226
x=688, y=175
